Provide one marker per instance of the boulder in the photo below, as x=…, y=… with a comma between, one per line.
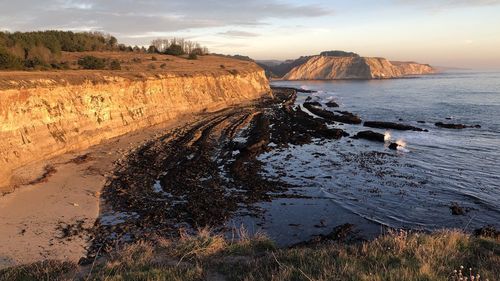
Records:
x=332, y=104
x=370, y=135
x=394, y=146
x=455, y=126
x=391, y=125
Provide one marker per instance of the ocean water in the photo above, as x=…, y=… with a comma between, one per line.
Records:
x=373, y=187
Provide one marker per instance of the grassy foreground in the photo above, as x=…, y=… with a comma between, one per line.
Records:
x=395, y=256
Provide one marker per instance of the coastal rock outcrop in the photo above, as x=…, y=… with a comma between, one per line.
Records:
x=56, y=116
x=336, y=68
x=392, y=125
x=456, y=126
x=344, y=117
x=370, y=135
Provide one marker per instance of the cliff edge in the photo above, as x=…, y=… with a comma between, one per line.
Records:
x=44, y=114
x=337, y=68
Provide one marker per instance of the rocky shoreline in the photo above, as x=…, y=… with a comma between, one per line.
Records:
x=206, y=172
x=201, y=174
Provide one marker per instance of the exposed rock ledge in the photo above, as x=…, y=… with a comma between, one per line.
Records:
x=40, y=122
x=336, y=68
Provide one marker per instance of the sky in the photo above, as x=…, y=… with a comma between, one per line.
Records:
x=454, y=33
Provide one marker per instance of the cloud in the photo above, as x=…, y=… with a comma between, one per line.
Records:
x=76, y=5
x=136, y=18
x=448, y=4
x=238, y=33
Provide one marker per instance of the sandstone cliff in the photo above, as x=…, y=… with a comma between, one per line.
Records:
x=336, y=68
x=51, y=116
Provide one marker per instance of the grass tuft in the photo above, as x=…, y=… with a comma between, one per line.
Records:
x=445, y=255
x=43, y=271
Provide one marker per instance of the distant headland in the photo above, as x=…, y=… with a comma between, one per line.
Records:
x=339, y=65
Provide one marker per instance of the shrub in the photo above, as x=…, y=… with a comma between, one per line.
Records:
x=193, y=56
x=8, y=61
x=115, y=65
x=122, y=48
x=198, y=52
x=152, y=50
x=175, y=50
x=153, y=58
x=163, y=66
x=34, y=63
x=91, y=62
x=56, y=65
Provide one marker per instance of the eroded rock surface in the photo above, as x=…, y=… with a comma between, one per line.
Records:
x=42, y=121
x=335, y=68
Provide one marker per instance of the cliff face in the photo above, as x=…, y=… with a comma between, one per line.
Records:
x=44, y=121
x=336, y=68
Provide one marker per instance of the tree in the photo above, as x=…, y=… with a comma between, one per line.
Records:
x=175, y=50
x=163, y=45
x=152, y=50
x=122, y=47
x=40, y=53
x=8, y=61
x=112, y=42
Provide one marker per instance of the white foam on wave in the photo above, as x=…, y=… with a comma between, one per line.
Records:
x=402, y=143
x=322, y=193
x=387, y=136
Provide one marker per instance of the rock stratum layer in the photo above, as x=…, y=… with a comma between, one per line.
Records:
x=337, y=68
x=40, y=122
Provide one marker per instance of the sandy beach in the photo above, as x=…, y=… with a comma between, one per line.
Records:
x=34, y=215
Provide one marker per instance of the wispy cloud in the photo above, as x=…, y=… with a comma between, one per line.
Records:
x=238, y=33
x=136, y=18
x=76, y=5
x=448, y=4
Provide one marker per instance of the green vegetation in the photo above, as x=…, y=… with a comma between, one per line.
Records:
x=175, y=50
x=57, y=41
x=395, y=256
x=9, y=61
x=339, y=54
x=95, y=63
x=46, y=270
x=199, y=52
x=115, y=65
x=91, y=62
x=42, y=49
x=177, y=47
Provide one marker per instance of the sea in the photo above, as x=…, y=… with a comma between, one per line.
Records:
x=368, y=185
